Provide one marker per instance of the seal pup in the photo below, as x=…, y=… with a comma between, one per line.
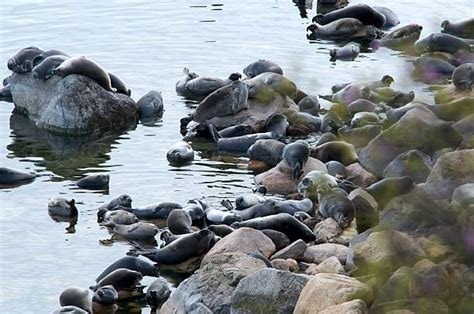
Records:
x=124, y=281
x=295, y=155
x=180, y=153
x=131, y=263
x=21, y=61
x=335, y=205
x=59, y=206
x=347, y=53
x=261, y=66
x=76, y=297
x=157, y=293
x=86, y=67
x=44, y=69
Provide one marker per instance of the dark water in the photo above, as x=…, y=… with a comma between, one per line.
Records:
x=148, y=43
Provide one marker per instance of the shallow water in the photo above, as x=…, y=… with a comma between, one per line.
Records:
x=148, y=43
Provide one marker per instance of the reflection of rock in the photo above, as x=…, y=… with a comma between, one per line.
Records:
x=63, y=155
x=72, y=105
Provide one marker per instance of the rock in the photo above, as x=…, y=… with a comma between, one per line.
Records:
x=360, y=176
x=268, y=151
x=360, y=137
x=318, y=253
x=330, y=265
x=74, y=104
x=337, y=150
x=335, y=168
x=384, y=252
x=268, y=291
x=435, y=250
x=354, y=307
x=450, y=171
x=295, y=251
x=464, y=194
x=150, y=105
x=325, y=290
x=210, y=288
x=412, y=163
x=285, y=264
x=244, y=240
x=421, y=305
x=347, y=234
x=366, y=209
x=278, y=238
x=279, y=179
x=417, y=129
x=326, y=230
x=465, y=127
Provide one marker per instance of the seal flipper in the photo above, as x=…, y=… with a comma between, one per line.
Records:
x=297, y=171
x=214, y=133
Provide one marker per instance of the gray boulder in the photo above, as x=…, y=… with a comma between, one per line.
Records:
x=319, y=253
x=412, y=163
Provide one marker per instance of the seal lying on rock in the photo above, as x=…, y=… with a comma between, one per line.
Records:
x=295, y=155
x=48, y=53
x=74, y=296
x=261, y=66
x=441, y=42
x=402, y=38
x=44, y=69
x=123, y=280
x=21, y=62
x=119, y=85
x=132, y=263
x=335, y=205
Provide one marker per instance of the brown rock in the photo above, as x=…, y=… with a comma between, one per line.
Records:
x=360, y=176
x=353, y=307
x=295, y=251
x=318, y=253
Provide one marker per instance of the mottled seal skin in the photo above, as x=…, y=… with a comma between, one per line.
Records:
x=221, y=230
x=179, y=222
x=86, y=67
x=131, y=263
x=76, y=297
x=259, y=210
x=21, y=61
x=59, y=206
x=119, y=85
x=150, y=105
x=364, y=13
x=432, y=70
x=225, y=101
x=283, y=222
x=344, y=28
x=335, y=205
x=463, y=76
x=463, y=28
x=391, y=19
x=106, y=295
x=12, y=176
x=295, y=155
x=261, y=66
x=185, y=247
x=309, y=104
x=347, y=53
x=215, y=216
x=157, y=293
x=402, y=38
x=293, y=206
x=180, y=153
x=236, y=130
x=242, y=143
x=123, y=280
x=441, y=42
x=94, y=182
x=6, y=94
x=48, y=53
x=277, y=124
x=247, y=200
x=181, y=84
x=110, y=218
x=44, y=69
x=384, y=190
x=137, y=231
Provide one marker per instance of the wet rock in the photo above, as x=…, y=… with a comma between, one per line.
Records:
x=464, y=194
x=405, y=135
x=318, y=253
x=412, y=163
x=295, y=251
x=366, y=209
x=268, y=291
x=354, y=307
x=85, y=105
x=210, y=288
x=285, y=264
x=359, y=175
x=326, y=230
x=325, y=290
x=244, y=240
x=421, y=305
x=330, y=265
x=450, y=171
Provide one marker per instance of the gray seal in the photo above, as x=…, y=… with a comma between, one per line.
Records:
x=12, y=176
x=259, y=210
x=247, y=200
x=181, y=84
x=337, y=150
x=86, y=67
x=278, y=238
x=276, y=82
x=344, y=28
x=44, y=69
x=242, y=143
x=401, y=38
x=76, y=297
x=221, y=230
x=154, y=211
x=202, y=86
x=106, y=295
x=110, y=218
x=179, y=222
x=364, y=13
x=463, y=76
x=157, y=293
x=309, y=104
x=347, y=53
x=463, y=28
x=277, y=124
x=236, y=130
x=94, y=182
x=361, y=119
x=150, y=105
x=432, y=70
x=391, y=19
x=441, y=42
x=21, y=61
x=137, y=231
x=261, y=66
x=268, y=151
x=295, y=155
x=335, y=205
x=293, y=206
x=48, y=53
x=58, y=206
x=349, y=94
x=215, y=216
x=123, y=280
x=119, y=85
x=131, y=263
x=180, y=153
x=69, y=309
x=123, y=200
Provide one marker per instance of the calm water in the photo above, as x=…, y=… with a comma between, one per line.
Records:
x=148, y=43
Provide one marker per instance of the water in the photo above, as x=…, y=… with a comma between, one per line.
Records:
x=148, y=43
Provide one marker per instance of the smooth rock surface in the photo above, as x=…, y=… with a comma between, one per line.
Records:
x=318, y=253
x=295, y=251
x=360, y=176
x=353, y=307
x=412, y=163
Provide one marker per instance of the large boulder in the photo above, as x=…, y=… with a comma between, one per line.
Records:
x=294, y=251
x=210, y=288
x=268, y=291
x=412, y=163
x=417, y=129
x=450, y=171
x=360, y=176
x=74, y=104
x=366, y=209
x=326, y=290
x=319, y=253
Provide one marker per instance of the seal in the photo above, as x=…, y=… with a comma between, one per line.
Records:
x=384, y=190
x=261, y=66
x=278, y=238
x=150, y=105
x=123, y=280
x=385, y=81
x=295, y=155
x=391, y=19
x=202, y=86
x=119, y=85
x=123, y=200
x=195, y=210
x=337, y=150
x=307, y=122
x=106, y=295
x=157, y=293
x=94, y=182
x=74, y=296
x=276, y=82
x=463, y=28
x=48, y=53
x=268, y=151
x=217, y=217
x=137, y=231
x=401, y=38
x=86, y=67
x=463, y=76
x=131, y=263
x=391, y=97
x=441, y=42
x=181, y=84
x=361, y=105
x=364, y=13
x=58, y=206
x=236, y=130
x=432, y=70
x=361, y=119
x=180, y=153
x=12, y=176
x=242, y=143
x=69, y=309
x=259, y=210
x=309, y=104
x=393, y=115
x=309, y=184
x=283, y=222
x=21, y=61
x=247, y=200
x=277, y=124
x=344, y=28
x=6, y=94
x=154, y=211
x=325, y=138
x=225, y=101
x=44, y=69
x=221, y=230
x=349, y=94
x=359, y=137
x=182, y=249
x=110, y=218
x=335, y=205
x=336, y=169
x=347, y=53
x=293, y=206
x=179, y=222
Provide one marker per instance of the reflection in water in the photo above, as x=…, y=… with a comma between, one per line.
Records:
x=71, y=220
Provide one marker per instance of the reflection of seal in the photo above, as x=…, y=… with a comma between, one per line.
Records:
x=21, y=61
x=44, y=69
x=386, y=189
x=123, y=280
x=285, y=223
x=180, y=152
x=119, y=85
x=137, y=231
x=157, y=294
x=262, y=66
x=132, y=263
x=179, y=222
x=463, y=28
x=75, y=296
x=295, y=155
x=463, y=76
x=364, y=13
x=335, y=205
x=86, y=67
x=62, y=207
